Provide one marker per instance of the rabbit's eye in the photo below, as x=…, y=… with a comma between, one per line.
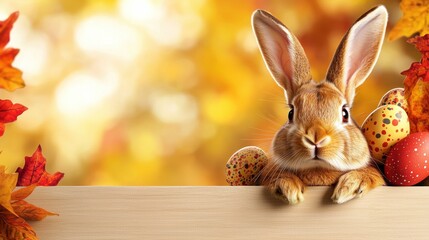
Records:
x=345, y=115
x=290, y=115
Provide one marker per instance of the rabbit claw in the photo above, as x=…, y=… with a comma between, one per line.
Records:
x=350, y=185
x=288, y=190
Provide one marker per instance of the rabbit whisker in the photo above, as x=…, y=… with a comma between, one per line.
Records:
x=271, y=168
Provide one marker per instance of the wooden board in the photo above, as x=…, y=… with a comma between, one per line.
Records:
x=228, y=213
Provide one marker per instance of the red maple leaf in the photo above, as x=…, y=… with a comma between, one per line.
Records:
x=9, y=112
x=10, y=77
x=418, y=69
x=5, y=27
x=34, y=171
x=417, y=87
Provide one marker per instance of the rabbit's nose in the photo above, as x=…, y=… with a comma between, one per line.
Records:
x=314, y=140
x=323, y=141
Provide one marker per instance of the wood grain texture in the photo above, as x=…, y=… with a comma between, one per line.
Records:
x=228, y=213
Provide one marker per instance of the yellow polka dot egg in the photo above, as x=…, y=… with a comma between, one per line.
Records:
x=384, y=127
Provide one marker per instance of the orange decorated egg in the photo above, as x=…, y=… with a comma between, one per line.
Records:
x=395, y=96
x=245, y=165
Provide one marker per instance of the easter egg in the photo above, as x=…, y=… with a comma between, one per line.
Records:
x=394, y=97
x=245, y=165
x=384, y=127
x=408, y=161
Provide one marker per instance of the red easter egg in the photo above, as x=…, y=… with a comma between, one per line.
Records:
x=408, y=161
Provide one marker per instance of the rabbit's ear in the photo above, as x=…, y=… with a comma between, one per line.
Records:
x=282, y=53
x=358, y=52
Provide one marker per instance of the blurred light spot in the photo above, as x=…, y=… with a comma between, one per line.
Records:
x=208, y=130
x=59, y=26
x=34, y=49
x=246, y=40
x=182, y=73
x=221, y=109
x=165, y=25
x=174, y=108
x=82, y=138
x=186, y=72
x=146, y=145
x=83, y=90
x=33, y=120
x=389, y=52
x=37, y=48
x=107, y=35
x=142, y=11
x=336, y=6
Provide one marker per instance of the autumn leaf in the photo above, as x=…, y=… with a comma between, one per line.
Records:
x=11, y=225
x=9, y=112
x=14, y=210
x=29, y=212
x=417, y=87
x=5, y=27
x=415, y=19
x=26, y=210
x=22, y=193
x=7, y=184
x=10, y=77
x=34, y=171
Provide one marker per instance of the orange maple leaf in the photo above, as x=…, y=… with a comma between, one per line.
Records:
x=26, y=210
x=15, y=211
x=34, y=171
x=13, y=227
x=415, y=19
x=7, y=184
x=10, y=77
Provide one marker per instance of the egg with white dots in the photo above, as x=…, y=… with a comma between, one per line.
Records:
x=408, y=161
x=384, y=127
x=396, y=97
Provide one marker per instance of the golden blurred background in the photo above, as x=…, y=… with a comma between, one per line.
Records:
x=145, y=92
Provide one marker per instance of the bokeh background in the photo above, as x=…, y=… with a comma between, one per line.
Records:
x=144, y=92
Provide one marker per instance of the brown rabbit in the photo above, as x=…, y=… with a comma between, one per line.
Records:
x=320, y=144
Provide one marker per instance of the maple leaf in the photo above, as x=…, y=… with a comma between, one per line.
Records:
x=9, y=112
x=7, y=184
x=27, y=210
x=10, y=77
x=11, y=225
x=414, y=20
x=417, y=87
x=34, y=171
x=14, y=210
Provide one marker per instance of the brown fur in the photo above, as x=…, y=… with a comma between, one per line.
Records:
x=318, y=147
x=319, y=176
x=353, y=183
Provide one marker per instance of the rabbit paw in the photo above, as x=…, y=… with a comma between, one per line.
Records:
x=349, y=186
x=290, y=190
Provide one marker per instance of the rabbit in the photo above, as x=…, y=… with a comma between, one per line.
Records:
x=320, y=144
